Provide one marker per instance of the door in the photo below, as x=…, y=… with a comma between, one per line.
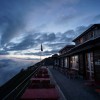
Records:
x=66, y=62
x=89, y=65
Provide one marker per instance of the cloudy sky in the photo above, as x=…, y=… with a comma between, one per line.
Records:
x=25, y=24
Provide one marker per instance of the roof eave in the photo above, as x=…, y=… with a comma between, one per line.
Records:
x=91, y=27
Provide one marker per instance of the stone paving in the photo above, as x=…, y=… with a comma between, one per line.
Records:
x=74, y=89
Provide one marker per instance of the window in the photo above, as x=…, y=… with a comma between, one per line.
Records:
x=81, y=40
x=66, y=62
x=91, y=34
x=89, y=65
x=75, y=64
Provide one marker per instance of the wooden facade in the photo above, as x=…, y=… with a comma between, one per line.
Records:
x=84, y=57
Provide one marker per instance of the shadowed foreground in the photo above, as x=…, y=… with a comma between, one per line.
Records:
x=74, y=89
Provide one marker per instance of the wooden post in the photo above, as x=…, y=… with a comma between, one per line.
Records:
x=84, y=66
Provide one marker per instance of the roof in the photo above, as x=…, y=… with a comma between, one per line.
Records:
x=88, y=30
x=55, y=55
x=67, y=46
x=88, y=45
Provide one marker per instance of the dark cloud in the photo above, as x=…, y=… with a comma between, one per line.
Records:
x=68, y=36
x=12, y=30
x=81, y=29
x=97, y=18
x=27, y=43
x=57, y=45
x=50, y=52
x=45, y=53
x=54, y=41
x=13, y=18
x=46, y=37
x=31, y=41
x=3, y=52
x=66, y=19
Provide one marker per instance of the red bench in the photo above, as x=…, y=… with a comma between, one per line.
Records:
x=44, y=94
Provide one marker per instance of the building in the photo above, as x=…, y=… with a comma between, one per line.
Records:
x=84, y=57
x=88, y=49
x=62, y=62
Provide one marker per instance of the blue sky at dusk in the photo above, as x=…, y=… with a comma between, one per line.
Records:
x=25, y=24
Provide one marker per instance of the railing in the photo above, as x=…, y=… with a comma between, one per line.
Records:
x=13, y=95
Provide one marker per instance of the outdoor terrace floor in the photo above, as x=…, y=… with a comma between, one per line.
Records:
x=74, y=89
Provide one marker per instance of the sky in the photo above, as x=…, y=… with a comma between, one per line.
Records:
x=25, y=24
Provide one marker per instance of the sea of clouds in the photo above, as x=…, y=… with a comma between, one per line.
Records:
x=10, y=67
